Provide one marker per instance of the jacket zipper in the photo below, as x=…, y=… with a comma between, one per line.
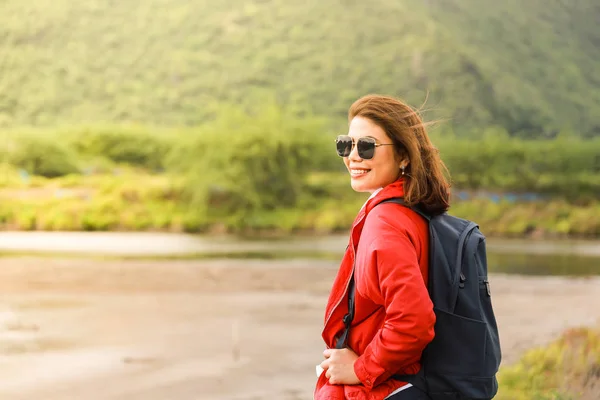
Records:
x=353, y=264
x=347, y=283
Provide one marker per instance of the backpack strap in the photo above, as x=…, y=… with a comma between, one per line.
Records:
x=417, y=380
x=400, y=200
x=343, y=339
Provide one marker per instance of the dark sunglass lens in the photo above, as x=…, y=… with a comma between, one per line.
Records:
x=343, y=146
x=366, y=148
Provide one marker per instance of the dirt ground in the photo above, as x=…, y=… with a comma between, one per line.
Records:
x=93, y=329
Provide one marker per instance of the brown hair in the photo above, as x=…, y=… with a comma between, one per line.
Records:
x=426, y=185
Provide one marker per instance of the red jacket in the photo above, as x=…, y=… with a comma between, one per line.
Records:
x=394, y=315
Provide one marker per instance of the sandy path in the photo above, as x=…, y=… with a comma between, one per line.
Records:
x=89, y=329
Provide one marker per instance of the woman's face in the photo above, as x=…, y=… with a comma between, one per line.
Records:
x=379, y=171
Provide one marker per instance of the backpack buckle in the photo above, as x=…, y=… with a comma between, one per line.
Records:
x=487, y=288
x=347, y=319
x=463, y=279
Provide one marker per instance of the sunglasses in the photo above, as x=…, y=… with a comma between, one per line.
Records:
x=365, y=146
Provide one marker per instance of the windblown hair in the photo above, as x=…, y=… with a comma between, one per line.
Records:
x=426, y=184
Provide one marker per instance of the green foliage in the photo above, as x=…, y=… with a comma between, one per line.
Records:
x=531, y=68
x=129, y=201
x=265, y=168
x=565, y=370
x=139, y=147
x=243, y=163
x=133, y=200
x=39, y=154
x=555, y=217
x=9, y=175
x=567, y=166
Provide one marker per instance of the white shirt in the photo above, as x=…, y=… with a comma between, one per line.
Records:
x=374, y=193
x=371, y=196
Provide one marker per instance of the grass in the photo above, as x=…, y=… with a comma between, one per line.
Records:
x=133, y=200
x=567, y=369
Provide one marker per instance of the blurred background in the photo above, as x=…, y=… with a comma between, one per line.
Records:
x=172, y=209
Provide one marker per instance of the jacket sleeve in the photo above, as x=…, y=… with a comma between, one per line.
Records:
x=409, y=321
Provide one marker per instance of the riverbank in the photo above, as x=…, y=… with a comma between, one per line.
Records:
x=163, y=244
x=64, y=211
x=188, y=329
x=138, y=201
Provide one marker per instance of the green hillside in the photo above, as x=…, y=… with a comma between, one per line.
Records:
x=532, y=67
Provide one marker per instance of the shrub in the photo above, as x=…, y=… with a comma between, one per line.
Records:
x=244, y=163
x=566, y=369
x=123, y=145
x=40, y=154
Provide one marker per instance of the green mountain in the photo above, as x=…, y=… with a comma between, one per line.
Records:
x=531, y=67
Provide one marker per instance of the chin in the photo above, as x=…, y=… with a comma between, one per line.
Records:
x=360, y=187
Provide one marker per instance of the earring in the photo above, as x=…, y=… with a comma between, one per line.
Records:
x=402, y=168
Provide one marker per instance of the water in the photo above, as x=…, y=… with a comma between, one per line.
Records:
x=547, y=264
x=517, y=256
x=544, y=257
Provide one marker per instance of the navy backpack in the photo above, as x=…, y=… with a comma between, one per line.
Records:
x=462, y=360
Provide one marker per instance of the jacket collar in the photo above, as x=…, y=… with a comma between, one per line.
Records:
x=394, y=189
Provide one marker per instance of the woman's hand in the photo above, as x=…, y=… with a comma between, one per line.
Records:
x=339, y=366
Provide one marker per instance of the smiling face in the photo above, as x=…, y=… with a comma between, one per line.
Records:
x=382, y=169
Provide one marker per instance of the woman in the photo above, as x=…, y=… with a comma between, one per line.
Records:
x=387, y=153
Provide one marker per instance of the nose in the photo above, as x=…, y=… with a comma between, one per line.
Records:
x=353, y=156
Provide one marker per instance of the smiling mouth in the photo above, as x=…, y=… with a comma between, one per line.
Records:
x=358, y=172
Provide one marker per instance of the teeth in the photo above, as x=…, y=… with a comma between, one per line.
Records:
x=358, y=171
